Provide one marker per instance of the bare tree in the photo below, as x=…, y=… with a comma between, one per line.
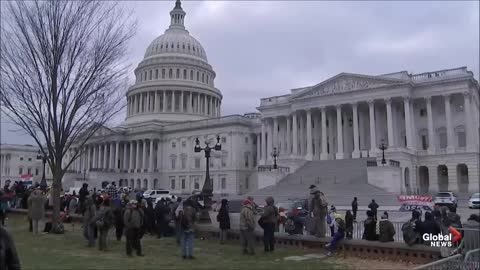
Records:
x=63, y=73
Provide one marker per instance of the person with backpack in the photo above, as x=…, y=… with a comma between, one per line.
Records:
x=370, y=227
x=349, y=218
x=319, y=212
x=104, y=220
x=223, y=218
x=269, y=217
x=411, y=229
x=339, y=234
x=373, y=206
x=247, y=228
x=354, y=208
x=133, y=220
x=187, y=218
x=386, y=231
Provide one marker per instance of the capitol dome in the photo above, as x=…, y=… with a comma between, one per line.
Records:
x=174, y=82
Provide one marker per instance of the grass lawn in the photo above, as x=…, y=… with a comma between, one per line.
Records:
x=69, y=251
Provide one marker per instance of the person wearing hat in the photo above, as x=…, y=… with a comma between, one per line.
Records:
x=133, y=220
x=247, y=228
x=37, y=211
x=319, y=211
x=89, y=224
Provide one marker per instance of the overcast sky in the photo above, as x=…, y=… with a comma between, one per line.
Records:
x=260, y=49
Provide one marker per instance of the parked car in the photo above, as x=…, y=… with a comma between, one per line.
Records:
x=445, y=199
x=155, y=193
x=474, y=201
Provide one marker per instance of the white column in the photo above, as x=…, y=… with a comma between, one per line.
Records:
x=125, y=156
x=263, y=151
x=137, y=155
x=448, y=119
x=373, y=137
x=205, y=106
x=131, y=157
x=116, y=158
x=173, y=101
x=340, y=154
x=147, y=108
x=275, y=138
x=150, y=166
x=431, y=134
x=356, y=144
x=94, y=158
x=159, y=154
x=324, y=154
x=408, y=122
x=294, y=135
x=112, y=156
x=134, y=104
x=105, y=156
x=198, y=111
x=144, y=156
x=89, y=150
x=391, y=140
x=164, y=100
x=181, y=101
x=270, y=141
x=156, y=102
x=259, y=152
x=190, y=104
x=309, y=155
x=288, y=149
x=468, y=122
x=142, y=108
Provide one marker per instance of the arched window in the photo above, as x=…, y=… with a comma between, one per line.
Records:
x=178, y=73
x=151, y=71
x=191, y=75
x=145, y=76
x=461, y=136
x=208, y=78
x=184, y=74
x=424, y=139
x=171, y=45
x=203, y=77
x=163, y=73
x=170, y=73
x=442, y=137
x=198, y=76
x=183, y=46
x=156, y=74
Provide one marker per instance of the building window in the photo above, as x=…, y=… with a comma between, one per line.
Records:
x=198, y=76
x=20, y=171
x=173, y=162
x=246, y=140
x=172, y=184
x=29, y=159
x=191, y=75
x=36, y=171
x=178, y=73
x=21, y=158
x=184, y=74
x=184, y=144
x=254, y=160
x=174, y=145
x=462, y=139
x=156, y=74
x=224, y=139
x=203, y=77
x=223, y=183
x=197, y=163
x=29, y=170
x=170, y=73
x=224, y=161
x=196, y=183
x=423, y=112
x=184, y=162
x=443, y=140
x=183, y=183
x=151, y=74
x=424, y=142
x=246, y=159
x=163, y=73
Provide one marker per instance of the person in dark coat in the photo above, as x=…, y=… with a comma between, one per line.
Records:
x=373, y=206
x=349, y=218
x=150, y=218
x=386, y=231
x=104, y=220
x=269, y=216
x=354, y=208
x=8, y=253
x=133, y=220
x=118, y=212
x=160, y=217
x=82, y=195
x=223, y=218
x=370, y=227
x=429, y=226
x=417, y=221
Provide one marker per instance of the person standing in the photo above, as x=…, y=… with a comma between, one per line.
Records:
x=370, y=227
x=82, y=195
x=349, y=225
x=8, y=253
x=150, y=218
x=89, y=221
x=269, y=216
x=188, y=217
x=133, y=220
x=373, y=206
x=38, y=208
x=223, y=219
x=176, y=207
x=247, y=228
x=104, y=220
x=386, y=231
x=354, y=208
x=319, y=211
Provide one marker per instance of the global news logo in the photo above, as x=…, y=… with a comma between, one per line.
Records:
x=441, y=240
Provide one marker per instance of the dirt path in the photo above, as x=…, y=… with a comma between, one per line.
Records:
x=359, y=263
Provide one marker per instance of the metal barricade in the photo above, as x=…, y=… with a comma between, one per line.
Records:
x=472, y=260
x=450, y=263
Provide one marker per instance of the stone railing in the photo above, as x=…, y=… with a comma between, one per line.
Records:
x=437, y=74
x=394, y=163
x=269, y=168
x=274, y=100
x=375, y=163
x=372, y=163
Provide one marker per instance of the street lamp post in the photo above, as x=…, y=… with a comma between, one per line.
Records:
x=207, y=190
x=383, y=147
x=275, y=155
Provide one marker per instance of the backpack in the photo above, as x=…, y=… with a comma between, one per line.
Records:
x=289, y=225
x=329, y=219
x=409, y=235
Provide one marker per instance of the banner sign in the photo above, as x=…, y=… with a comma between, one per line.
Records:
x=415, y=202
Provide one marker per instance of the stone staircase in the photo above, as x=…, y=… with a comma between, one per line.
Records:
x=340, y=180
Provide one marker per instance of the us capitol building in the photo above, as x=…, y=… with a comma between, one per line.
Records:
x=428, y=122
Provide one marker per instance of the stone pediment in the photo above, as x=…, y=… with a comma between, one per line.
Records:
x=343, y=83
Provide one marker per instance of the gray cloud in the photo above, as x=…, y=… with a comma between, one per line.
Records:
x=265, y=48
